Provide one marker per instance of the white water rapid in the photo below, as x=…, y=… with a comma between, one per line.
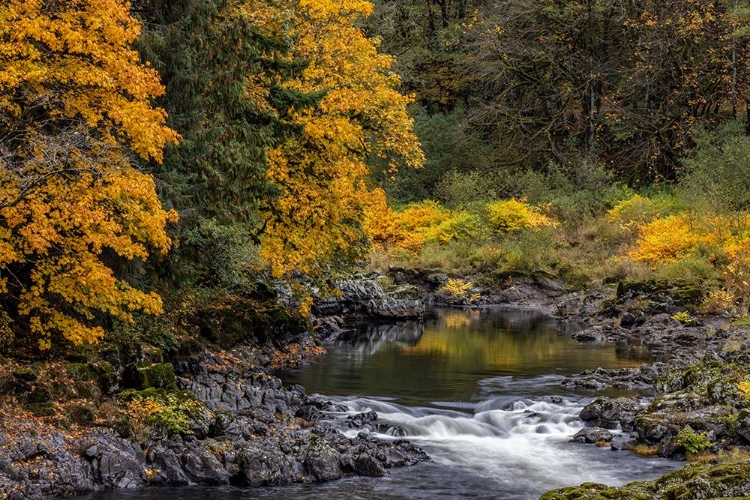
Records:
x=513, y=446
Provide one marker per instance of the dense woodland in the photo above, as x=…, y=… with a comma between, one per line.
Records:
x=159, y=158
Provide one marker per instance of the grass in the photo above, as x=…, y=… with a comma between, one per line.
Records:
x=644, y=450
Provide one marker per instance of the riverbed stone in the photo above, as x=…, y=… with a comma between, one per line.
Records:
x=611, y=413
x=592, y=435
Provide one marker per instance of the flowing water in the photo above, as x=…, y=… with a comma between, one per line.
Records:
x=480, y=391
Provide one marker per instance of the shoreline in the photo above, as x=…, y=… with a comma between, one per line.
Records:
x=251, y=431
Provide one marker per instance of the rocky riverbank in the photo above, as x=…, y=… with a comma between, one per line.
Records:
x=241, y=427
x=692, y=397
x=691, y=394
x=130, y=416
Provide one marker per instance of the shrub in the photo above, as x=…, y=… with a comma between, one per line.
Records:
x=155, y=411
x=406, y=230
x=459, y=226
x=665, y=240
x=514, y=215
x=693, y=270
x=693, y=442
x=737, y=272
x=718, y=301
x=457, y=288
x=638, y=211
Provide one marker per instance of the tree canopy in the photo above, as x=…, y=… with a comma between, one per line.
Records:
x=75, y=117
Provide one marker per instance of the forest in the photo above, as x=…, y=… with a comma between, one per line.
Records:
x=163, y=162
x=167, y=155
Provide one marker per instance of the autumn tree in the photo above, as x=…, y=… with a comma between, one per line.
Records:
x=316, y=223
x=223, y=63
x=75, y=119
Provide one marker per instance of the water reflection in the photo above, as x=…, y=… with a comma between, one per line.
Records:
x=445, y=357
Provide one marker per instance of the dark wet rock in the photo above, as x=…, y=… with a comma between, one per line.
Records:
x=365, y=297
x=742, y=425
x=611, y=413
x=367, y=465
x=592, y=435
x=328, y=325
x=323, y=464
x=593, y=334
x=622, y=442
x=640, y=379
x=627, y=320
x=394, y=308
x=361, y=419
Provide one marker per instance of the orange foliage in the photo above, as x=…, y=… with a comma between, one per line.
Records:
x=407, y=230
x=75, y=59
x=73, y=101
x=318, y=219
x=666, y=240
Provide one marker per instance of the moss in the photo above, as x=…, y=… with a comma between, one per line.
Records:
x=85, y=380
x=40, y=409
x=39, y=395
x=156, y=413
x=81, y=414
x=694, y=481
x=26, y=374
x=144, y=376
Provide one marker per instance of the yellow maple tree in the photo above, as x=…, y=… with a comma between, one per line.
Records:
x=318, y=217
x=75, y=111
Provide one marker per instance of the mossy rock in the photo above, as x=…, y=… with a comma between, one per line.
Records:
x=39, y=395
x=157, y=375
x=86, y=381
x=81, y=414
x=682, y=293
x=179, y=412
x=40, y=409
x=25, y=374
x=694, y=481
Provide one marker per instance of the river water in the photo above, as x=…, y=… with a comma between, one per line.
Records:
x=479, y=391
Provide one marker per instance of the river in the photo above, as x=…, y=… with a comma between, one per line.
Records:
x=480, y=391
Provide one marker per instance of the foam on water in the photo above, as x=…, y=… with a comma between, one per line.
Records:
x=519, y=443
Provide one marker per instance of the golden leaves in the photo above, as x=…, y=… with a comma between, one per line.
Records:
x=320, y=214
x=74, y=97
x=75, y=57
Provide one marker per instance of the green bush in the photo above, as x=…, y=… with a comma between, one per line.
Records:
x=459, y=190
x=716, y=177
x=692, y=442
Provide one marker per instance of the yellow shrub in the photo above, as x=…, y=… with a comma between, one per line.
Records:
x=457, y=227
x=457, y=287
x=718, y=301
x=514, y=215
x=666, y=240
x=409, y=229
x=633, y=212
x=737, y=272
